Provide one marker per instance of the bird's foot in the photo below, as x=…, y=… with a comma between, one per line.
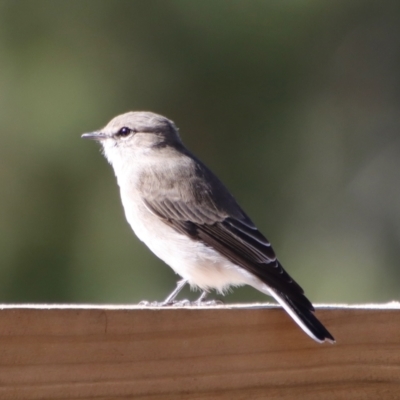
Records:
x=207, y=303
x=175, y=303
x=181, y=303
x=146, y=303
x=202, y=302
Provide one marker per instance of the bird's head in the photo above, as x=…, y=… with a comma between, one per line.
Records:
x=135, y=133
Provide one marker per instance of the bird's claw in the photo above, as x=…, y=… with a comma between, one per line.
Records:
x=208, y=303
x=181, y=303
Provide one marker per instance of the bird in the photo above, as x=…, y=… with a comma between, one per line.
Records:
x=189, y=219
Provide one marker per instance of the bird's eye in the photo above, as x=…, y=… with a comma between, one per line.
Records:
x=124, y=132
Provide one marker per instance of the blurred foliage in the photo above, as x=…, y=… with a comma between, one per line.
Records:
x=294, y=104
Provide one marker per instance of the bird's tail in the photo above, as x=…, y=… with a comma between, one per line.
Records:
x=304, y=317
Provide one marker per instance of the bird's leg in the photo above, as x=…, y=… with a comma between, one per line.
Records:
x=201, y=300
x=170, y=299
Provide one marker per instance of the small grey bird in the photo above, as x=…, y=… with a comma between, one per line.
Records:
x=187, y=217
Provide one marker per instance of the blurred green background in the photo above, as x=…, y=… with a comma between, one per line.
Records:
x=294, y=105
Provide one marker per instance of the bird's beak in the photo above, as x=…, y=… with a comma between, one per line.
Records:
x=94, y=136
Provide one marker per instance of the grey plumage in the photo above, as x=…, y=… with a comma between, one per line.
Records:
x=187, y=217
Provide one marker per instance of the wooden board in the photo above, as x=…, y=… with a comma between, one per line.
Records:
x=188, y=353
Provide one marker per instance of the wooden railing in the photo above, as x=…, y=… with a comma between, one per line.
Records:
x=224, y=352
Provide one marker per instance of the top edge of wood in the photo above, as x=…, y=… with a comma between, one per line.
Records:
x=393, y=305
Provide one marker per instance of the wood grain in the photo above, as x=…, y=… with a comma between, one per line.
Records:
x=188, y=353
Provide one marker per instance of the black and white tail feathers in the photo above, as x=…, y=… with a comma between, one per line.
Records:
x=304, y=317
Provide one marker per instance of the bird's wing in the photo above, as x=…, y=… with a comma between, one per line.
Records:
x=235, y=237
